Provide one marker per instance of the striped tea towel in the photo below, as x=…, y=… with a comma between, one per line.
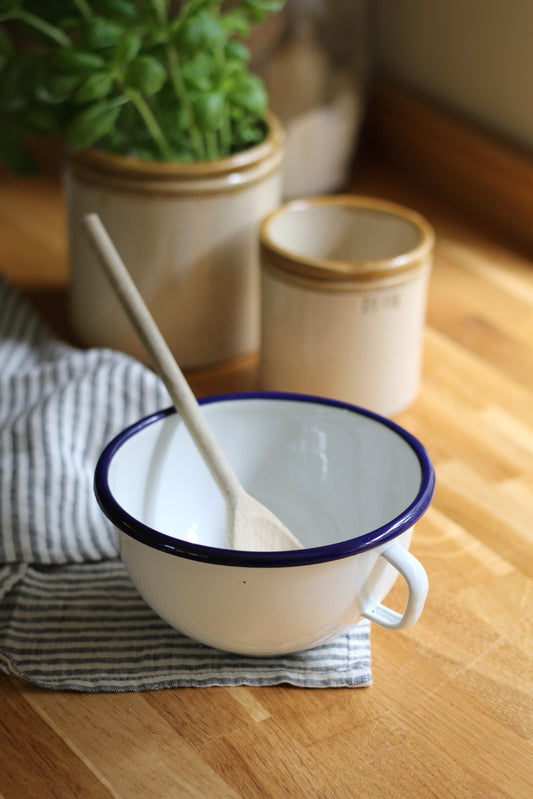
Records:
x=69, y=616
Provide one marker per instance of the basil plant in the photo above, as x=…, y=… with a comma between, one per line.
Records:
x=153, y=79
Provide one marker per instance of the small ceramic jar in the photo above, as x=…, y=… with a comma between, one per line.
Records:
x=344, y=285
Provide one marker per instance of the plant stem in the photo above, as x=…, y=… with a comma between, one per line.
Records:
x=39, y=24
x=84, y=8
x=176, y=79
x=225, y=134
x=161, y=11
x=151, y=123
x=181, y=94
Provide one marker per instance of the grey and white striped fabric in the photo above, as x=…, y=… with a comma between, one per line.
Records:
x=69, y=616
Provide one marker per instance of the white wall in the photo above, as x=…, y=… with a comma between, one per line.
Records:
x=474, y=56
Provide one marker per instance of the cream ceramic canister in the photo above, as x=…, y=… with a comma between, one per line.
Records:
x=188, y=235
x=343, y=300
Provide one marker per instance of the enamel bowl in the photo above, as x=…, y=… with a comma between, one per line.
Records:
x=348, y=483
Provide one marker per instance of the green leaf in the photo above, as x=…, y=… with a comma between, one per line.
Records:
x=91, y=124
x=71, y=60
x=200, y=31
x=17, y=80
x=101, y=33
x=122, y=9
x=70, y=24
x=250, y=95
x=235, y=23
x=258, y=10
x=237, y=51
x=270, y=6
x=210, y=111
x=56, y=87
x=127, y=49
x=247, y=133
x=195, y=73
x=146, y=74
x=95, y=87
x=174, y=120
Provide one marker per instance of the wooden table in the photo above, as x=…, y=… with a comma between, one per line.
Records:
x=450, y=710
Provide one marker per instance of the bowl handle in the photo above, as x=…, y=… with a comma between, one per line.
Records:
x=416, y=578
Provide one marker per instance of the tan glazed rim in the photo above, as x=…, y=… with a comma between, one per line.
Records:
x=125, y=168
x=324, y=269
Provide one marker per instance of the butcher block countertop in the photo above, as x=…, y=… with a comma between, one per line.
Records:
x=449, y=713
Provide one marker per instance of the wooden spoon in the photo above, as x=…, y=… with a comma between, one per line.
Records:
x=250, y=526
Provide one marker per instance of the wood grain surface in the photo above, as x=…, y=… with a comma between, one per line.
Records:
x=450, y=711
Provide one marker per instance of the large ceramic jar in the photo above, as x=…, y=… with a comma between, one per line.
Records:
x=188, y=235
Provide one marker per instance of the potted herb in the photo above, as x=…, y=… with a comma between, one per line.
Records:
x=168, y=138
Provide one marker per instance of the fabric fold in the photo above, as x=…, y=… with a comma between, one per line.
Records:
x=70, y=618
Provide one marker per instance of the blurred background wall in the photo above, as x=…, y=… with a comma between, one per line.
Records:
x=474, y=57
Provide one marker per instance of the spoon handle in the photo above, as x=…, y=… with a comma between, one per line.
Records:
x=161, y=356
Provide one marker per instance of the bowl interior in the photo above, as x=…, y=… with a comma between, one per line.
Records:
x=330, y=473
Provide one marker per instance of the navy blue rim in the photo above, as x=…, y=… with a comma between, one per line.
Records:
x=301, y=557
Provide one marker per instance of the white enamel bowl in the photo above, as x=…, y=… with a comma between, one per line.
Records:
x=348, y=483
